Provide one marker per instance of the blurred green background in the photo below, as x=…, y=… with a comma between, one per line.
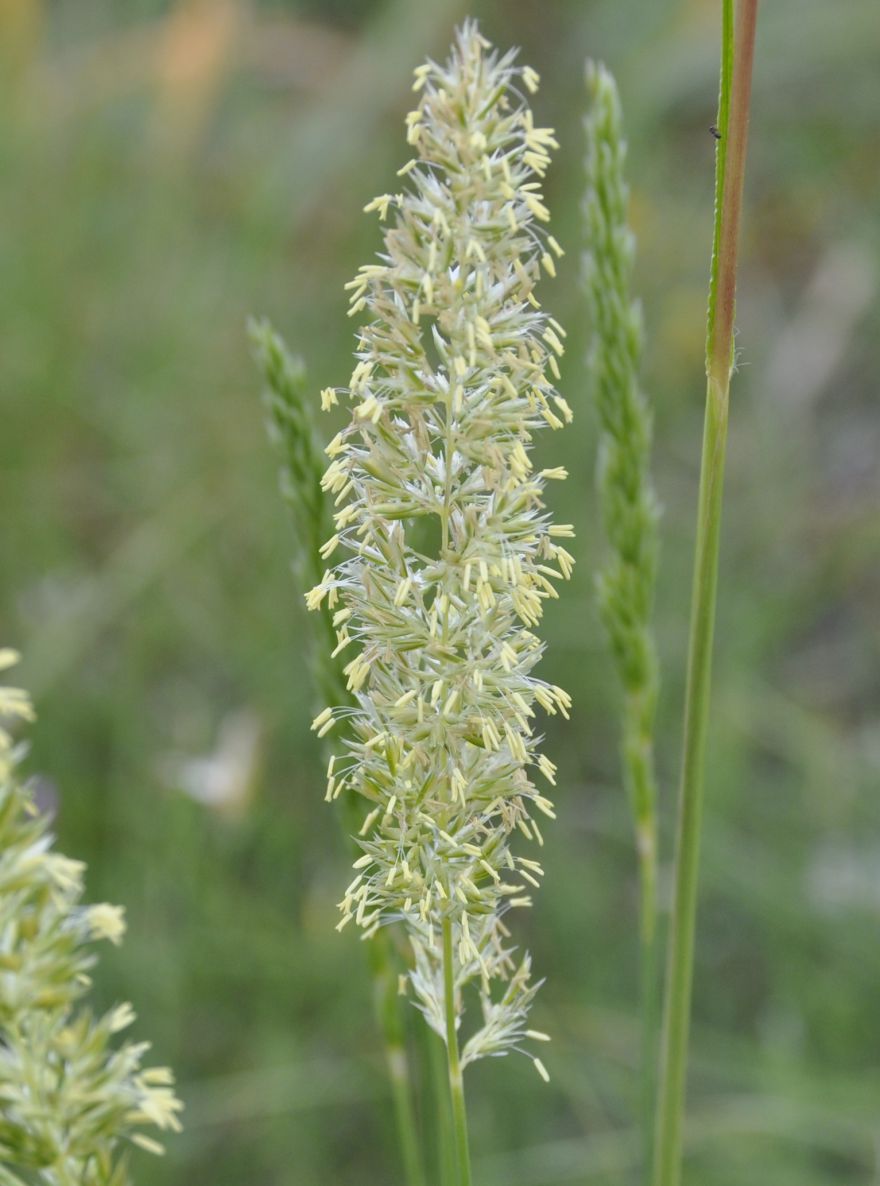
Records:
x=165, y=169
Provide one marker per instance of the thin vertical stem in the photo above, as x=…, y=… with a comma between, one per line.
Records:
x=439, y=1108
x=639, y=769
x=647, y=844
x=456, y=1084
x=670, y=1099
x=393, y=1029
x=388, y=1007
x=736, y=73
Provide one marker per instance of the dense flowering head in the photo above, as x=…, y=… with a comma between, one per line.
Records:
x=72, y=1096
x=447, y=553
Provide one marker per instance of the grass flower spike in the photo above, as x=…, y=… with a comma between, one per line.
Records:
x=625, y=586
x=447, y=553
x=72, y=1098
x=291, y=424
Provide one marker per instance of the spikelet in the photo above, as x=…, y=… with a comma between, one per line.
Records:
x=73, y=1098
x=444, y=554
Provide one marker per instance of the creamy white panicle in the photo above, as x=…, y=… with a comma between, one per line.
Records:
x=448, y=554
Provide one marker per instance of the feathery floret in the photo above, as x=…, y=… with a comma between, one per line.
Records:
x=448, y=554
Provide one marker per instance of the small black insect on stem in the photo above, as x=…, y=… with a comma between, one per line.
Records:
x=715, y=132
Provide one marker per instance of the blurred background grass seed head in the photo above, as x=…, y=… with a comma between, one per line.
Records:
x=167, y=168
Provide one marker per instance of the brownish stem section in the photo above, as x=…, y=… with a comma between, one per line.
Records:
x=736, y=133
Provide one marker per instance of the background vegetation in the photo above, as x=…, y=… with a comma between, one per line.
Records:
x=166, y=169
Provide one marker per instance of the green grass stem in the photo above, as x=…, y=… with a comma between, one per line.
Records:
x=733, y=117
x=438, y=1107
x=648, y=1002
x=387, y=1005
x=456, y=1083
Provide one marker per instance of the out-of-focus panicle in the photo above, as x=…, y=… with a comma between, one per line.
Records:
x=448, y=554
x=625, y=585
x=73, y=1097
x=629, y=509
x=291, y=423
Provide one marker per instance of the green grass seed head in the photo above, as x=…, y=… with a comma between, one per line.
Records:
x=625, y=586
